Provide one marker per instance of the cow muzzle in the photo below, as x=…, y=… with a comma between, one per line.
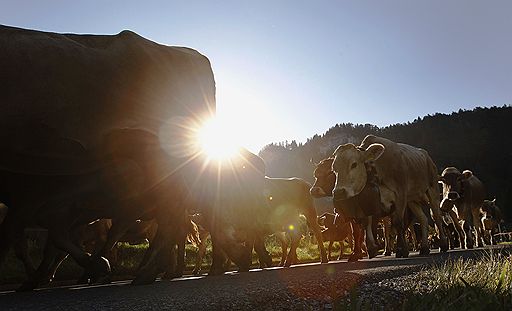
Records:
x=340, y=194
x=317, y=192
x=453, y=195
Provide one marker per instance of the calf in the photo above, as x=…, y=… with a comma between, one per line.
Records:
x=336, y=229
x=491, y=219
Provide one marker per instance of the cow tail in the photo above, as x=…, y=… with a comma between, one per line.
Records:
x=193, y=234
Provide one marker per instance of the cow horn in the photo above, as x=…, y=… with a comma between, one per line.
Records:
x=374, y=151
x=467, y=174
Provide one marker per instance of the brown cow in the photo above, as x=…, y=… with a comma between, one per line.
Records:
x=383, y=177
x=491, y=219
x=288, y=198
x=325, y=180
x=466, y=192
x=335, y=230
x=60, y=94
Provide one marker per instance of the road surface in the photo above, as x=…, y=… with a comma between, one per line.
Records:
x=301, y=287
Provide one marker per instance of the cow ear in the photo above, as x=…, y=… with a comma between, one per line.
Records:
x=493, y=201
x=373, y=152
x=341, y=148
x=467, y=173
x=441, y=180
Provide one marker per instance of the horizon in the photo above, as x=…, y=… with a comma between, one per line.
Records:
x=290, y=70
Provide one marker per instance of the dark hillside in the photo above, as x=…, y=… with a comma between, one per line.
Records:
x=478, y=140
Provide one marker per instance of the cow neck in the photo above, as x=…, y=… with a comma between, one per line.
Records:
x=371, y=173
x=461, y=194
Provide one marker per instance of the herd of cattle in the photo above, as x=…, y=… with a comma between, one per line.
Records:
x=96, y=149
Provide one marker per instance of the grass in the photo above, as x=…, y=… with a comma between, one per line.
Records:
x=474, y=284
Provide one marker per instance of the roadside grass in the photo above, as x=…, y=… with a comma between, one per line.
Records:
x=474, y=284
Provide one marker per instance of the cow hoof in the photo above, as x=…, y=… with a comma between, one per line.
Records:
x=387, y=253
x=287, y=264
x=100, y=267
x=196, y=272
x=325, y=260
x=171, y=275
x=143, y=280
x=372, y=253
x=354, y=258
x=400, y=253
x=84, y=279
x=424, y=251
x=216, y=271
x=27, y=286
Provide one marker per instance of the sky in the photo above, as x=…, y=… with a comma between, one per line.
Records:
x=286, y=70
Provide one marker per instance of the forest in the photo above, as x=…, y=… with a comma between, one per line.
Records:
x=476, y=139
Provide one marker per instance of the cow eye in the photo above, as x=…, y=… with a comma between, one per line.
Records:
x=354, y=165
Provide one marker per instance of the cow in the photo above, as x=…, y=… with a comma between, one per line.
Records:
x=466, y=193
x=3, y=212
x=381, y=177
x=287, y=198
x=335, y=230
x=323, y=186
x=62, y=96
x=491, y=219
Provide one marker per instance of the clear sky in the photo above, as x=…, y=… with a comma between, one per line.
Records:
x=291, y=69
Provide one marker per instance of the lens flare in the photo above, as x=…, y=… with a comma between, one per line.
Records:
x=216, y=140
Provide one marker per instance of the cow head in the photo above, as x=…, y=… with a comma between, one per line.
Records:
x=489, y=206
x=324, y=179
x=350, y=166
x=453, y=182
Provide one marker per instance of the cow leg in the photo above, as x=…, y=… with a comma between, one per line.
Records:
x=292, y=254
x=458, y=228
x=401, y=248
x=329, y=249
x=435, y=207
x=159, y=255
x=358, y=234
x=218, y=256
x=370, y=239
x=467, y=226
x=46, y=270
x=416, y=208
x=281, y=237
x=12, y=235
x=312, y=221
x=264, y=256
x=345, y=230
x=21, y=252
x=479, y=227
x=200, y=253
x=118, y=229
x=223, y=245
x=388, y=236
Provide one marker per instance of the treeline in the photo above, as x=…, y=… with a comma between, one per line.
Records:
x=478, y=140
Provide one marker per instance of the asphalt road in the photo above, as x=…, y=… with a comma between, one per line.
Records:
x=301, y=287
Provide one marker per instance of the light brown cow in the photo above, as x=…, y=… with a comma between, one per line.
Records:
x=466, y=192
x=387, y=177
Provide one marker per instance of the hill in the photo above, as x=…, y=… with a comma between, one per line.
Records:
x=478, y=140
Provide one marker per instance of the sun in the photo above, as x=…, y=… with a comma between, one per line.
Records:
x=217, y=140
